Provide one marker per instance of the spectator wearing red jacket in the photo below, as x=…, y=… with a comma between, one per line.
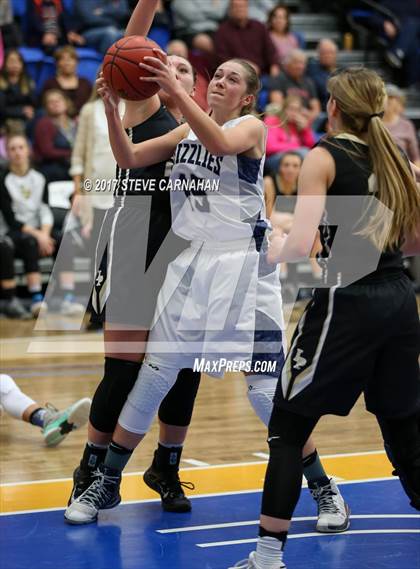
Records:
x=288, y=130
x=241, y=37
x=54, y=137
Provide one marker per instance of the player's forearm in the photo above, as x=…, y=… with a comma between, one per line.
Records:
x=121, y=145
x=142, y=17
x=210, y=134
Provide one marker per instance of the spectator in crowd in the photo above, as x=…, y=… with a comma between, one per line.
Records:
x=239, y=36
x=77, y=89
x=195, y=21
x=402, y=129
x=320, y=70
x=54, y=137
x=28, y=221
x=9, y=32
x=49, y=24
x=10, y=305
x=294, y=81
x=92, y=160
x=289, y=129
x=101, y=22
x=403, y=35
x=55, y=425
x=282, y=182
x=17, y=91
x=278, y=24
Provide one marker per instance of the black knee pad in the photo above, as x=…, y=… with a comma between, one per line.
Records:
x=111, y=394
x=177, y=407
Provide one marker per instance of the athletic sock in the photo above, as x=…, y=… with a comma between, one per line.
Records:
x=167, y=457
x=270, y=546
x=93, y=456
x=314, y=471
x=117, y=456
x=37, y=417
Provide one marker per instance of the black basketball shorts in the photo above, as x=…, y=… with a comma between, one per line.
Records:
x=361, y=338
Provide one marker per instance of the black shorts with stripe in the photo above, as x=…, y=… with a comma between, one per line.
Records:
x=359, y=339
x=134, y=249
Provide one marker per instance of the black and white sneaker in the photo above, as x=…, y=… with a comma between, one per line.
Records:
x=102, y=494
x=333, y=512
x=170, y=489
x=81, y=481
x=13, y=308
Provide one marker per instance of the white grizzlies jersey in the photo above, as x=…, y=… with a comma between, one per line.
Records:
x=216, y=198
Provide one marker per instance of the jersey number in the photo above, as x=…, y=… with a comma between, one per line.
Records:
x=197, y=198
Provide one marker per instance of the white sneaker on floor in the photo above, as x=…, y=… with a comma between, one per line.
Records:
x=71, y=308
x=251, y=563
x=333, y=512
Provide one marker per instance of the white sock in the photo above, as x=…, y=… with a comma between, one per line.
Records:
x=269, y=552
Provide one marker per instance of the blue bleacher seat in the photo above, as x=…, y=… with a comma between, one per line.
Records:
x=161, y=35
x=33, y=57
x=18, y=7
x=46, y=71
x=89, y=62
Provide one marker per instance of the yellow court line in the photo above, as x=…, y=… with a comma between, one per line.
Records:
x=214, y=480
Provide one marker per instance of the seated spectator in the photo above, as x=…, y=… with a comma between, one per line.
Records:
x=403, y=35
x=294, y=81
x=17, y=91
x=28, y=222
x=284, y=40
x=402, y=129
x=282, y=183
x=48, y=24
x=101, y=22
x=54, y=137
x=288, y=130
x=10, y=305
x=77, y=89
x=320, y=70
x=195, y=21
x=239, y=36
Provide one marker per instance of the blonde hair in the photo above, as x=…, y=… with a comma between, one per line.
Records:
x=360, y=96
x=253, y=84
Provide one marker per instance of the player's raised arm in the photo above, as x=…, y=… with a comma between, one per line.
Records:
x=316, y=176
x=127, y=154
x=142, y=18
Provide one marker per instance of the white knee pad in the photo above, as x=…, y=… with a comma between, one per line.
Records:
x=154, y=381
x=261, y=389
x=12, y=399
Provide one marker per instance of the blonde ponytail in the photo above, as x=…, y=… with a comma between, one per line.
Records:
x=360, y=96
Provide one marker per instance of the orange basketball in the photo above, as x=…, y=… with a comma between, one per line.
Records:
x=121, y=68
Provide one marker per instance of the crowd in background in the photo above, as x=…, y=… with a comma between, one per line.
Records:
x=46, y=130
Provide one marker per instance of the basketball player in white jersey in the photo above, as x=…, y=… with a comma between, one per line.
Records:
x=226, y=231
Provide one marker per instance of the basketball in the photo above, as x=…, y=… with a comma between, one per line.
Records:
x=121, y=68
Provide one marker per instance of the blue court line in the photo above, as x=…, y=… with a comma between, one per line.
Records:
x=132, y=537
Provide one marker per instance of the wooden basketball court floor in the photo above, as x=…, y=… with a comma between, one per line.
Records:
x=224, y=456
